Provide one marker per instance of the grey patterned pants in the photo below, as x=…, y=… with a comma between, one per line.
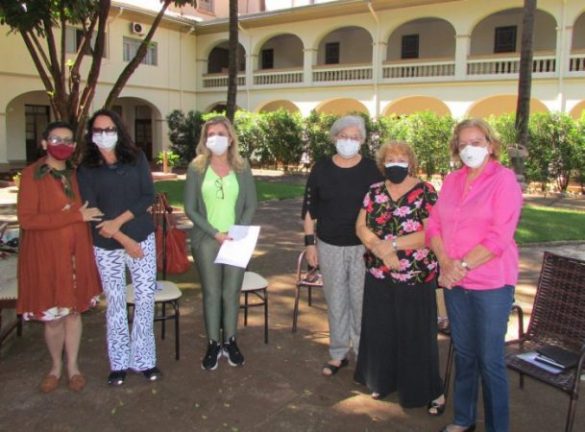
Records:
x=343, y=271
x=136, y=351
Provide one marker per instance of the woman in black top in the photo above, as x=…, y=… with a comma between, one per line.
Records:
x=115, y=177
x=333, y=198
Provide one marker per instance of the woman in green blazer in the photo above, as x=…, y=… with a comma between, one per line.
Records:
x=219, y=192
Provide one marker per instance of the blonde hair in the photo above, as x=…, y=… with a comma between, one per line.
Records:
x=399, y=148
x=203, y=153
x=486, y=130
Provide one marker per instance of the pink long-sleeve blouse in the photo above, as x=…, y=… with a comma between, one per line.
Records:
x=486, y=213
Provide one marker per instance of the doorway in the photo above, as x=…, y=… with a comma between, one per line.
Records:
x=36, y=118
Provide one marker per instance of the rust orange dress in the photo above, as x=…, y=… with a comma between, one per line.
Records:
x=57, y=273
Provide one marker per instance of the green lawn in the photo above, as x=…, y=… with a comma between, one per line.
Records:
x=537, y=224
x=265, y=190
x=544, y=224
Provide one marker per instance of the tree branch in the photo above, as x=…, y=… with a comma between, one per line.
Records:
x=135, y=62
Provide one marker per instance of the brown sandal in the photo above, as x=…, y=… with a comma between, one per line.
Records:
x=77, y=383
x=49, y=384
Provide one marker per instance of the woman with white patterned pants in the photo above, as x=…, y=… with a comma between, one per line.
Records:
x=115, y=177
x=136, y=351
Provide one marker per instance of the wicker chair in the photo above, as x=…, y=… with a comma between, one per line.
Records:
x=558, y=319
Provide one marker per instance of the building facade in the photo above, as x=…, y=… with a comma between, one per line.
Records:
x=380, y=57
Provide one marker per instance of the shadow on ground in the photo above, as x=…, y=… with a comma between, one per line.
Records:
x=279, y=388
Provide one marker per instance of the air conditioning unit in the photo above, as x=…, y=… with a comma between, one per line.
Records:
x=137, y=28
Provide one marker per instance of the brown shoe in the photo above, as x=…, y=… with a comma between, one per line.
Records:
x=77, y=383
x=49, y=384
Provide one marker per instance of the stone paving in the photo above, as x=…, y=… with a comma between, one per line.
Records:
x=280, y=387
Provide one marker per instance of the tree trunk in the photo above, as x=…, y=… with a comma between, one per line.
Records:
x=524, y=83
x=233, y=61
x=135, y=62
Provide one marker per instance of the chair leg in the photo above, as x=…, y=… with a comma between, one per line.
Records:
x=448, y=368
x=296, y=310
x=163, y=318
x=246, y=309
x=310, y=296
x=265, y=316
x=19, y=325
x=177, y=314
x=571, y=413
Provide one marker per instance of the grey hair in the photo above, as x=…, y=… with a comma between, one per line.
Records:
x=345, y=122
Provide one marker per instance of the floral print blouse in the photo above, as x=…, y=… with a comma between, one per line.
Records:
x=389, y=219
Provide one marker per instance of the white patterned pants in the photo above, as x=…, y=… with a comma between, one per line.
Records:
x=137, y=350
x=343, y=269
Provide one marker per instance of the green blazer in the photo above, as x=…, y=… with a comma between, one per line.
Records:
x=195, y=207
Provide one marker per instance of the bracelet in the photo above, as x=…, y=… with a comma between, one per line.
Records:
x=394, y=244
x=310, y=240
x=465, y=265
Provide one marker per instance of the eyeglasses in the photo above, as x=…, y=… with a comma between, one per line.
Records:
x=104, y=130
x=348, y=137
x=55, y=140
x=219, y=194
x=475, y=143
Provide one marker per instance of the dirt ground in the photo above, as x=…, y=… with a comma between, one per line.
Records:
x=279, y=388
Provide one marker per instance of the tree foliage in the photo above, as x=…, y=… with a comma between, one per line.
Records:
x=42, y=24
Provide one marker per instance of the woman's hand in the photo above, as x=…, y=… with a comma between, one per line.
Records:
x=133, y=249
x=391, y=260
x=221, y=237
x=382, y=248
x=451, y=272
x=311, y=255
x=89, y=214
x=108, y=228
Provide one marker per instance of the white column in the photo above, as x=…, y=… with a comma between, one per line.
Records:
x=251, y=66
x=3, y=139
x=310, y=59
x=201, y=69
x=564, y=49
x=462, y=48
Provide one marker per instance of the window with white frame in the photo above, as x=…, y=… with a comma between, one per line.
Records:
x=205, y=5
x=73, y=39
x=131, y=47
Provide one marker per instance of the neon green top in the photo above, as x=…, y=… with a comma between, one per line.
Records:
x=220, y=195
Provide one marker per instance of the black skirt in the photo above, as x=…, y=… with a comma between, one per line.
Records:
x=398, y=345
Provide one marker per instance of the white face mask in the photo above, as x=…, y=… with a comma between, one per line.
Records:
x=217, y=144
x=473, y=156
x=105, y=140
x=347, y=148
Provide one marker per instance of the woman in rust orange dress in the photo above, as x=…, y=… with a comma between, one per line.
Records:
x=57, y=276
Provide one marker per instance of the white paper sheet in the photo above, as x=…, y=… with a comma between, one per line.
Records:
x=237, y=252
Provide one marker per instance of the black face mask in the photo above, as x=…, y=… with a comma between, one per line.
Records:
x=396, y=174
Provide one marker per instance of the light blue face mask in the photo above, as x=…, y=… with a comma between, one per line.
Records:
x=347, y=148
x=105, y=140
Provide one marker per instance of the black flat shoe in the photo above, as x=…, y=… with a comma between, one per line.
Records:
x=152, y=374
x=117, y=378
x=435, y=408
x=467, y=429
x=329, y=370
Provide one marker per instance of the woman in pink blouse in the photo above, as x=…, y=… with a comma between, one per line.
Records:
x=471, y=230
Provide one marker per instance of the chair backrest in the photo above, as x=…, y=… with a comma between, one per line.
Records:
x=558, y=315
x=306, y=275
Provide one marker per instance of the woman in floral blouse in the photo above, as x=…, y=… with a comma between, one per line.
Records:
x=398, y=345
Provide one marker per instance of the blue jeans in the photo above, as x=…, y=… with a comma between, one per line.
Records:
x=479, y=320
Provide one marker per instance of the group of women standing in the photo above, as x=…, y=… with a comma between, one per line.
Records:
x=413, y=240
x=382, y=238
x=61, y=275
